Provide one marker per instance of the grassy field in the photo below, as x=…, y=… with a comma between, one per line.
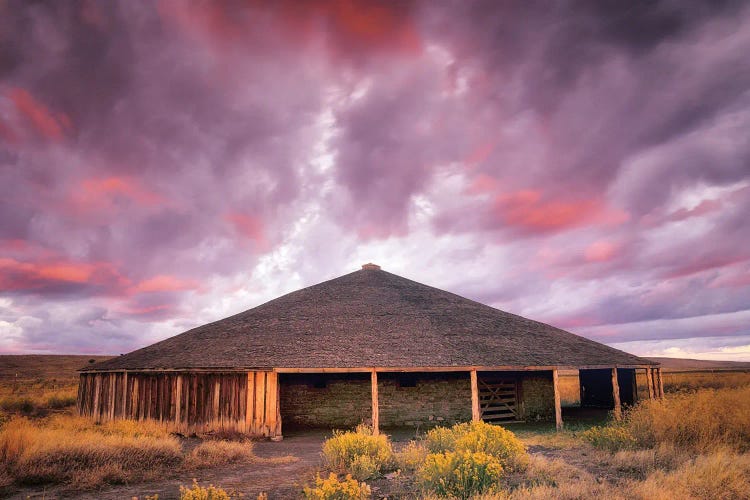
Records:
x=695, y=444
x=36, y=385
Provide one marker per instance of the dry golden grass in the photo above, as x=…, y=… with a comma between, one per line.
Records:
x=64, y=449
x=699, y=421
x=80, y=455
x=213, y=453
x=719, y=476
x=691, y=381
x=34, y=398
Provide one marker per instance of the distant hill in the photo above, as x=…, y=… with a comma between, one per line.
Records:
x=33, y=366
x=700, y=364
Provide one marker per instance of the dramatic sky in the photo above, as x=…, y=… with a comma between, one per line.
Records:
x=167, y=163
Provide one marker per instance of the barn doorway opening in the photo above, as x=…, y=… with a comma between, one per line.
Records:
x=499, y=397
x=596, y=387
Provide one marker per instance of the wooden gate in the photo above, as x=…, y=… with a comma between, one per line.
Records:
x=498, y=399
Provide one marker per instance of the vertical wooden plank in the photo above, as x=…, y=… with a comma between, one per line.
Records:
x=661, y=382
x=260, y=402
x=135, y=406
x=112, y=380
x=272, y=379
x=558, y=407
x=125, y=393
x=249, y=405
x=193, y=415
x=375, y=407
x=79, y=398
x=616, y=395
x=650, y=383
x=215, y=405
x=178, y=400
x=476, y=414
x=97, y=390
x=636, y=396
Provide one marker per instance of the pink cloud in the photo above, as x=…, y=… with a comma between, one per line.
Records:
x=50, y=275
x=113, y=186
x=703, y=208
x=165, y=283
x=46, y=123
x=480, y=154
x=248, y=226
x=482, y=183
x=600, y=251
x=529, y=211
x=702, y=264
x=349, y=26
x=96, y=195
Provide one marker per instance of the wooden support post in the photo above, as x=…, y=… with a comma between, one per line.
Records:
x=276, y=431
x=259, y=416
x=375, y=408
x=661, y=382
x=616, y=395
x=215, y=417
x=272, y=393
x=558, y=407
x=476, y=414
x=650, y=383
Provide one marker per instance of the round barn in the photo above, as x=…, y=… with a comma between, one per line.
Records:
x=369, y=346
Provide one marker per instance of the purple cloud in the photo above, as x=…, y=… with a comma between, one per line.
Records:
x=166, y=164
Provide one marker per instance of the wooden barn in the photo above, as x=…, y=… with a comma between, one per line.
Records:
x=370, y=347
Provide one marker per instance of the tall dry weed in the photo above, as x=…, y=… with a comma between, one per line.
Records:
x=699, y=421
x=212, y=453
x=720, y=475
x=62, y=451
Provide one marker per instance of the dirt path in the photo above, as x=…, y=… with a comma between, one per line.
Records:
x=581, y=457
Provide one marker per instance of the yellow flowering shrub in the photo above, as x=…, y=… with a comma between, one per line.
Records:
x=334, y=489
x=198, y=492
x=412, y=456
x=611, y=437
x=460, y=474
x=480, y=437
x=359, y=453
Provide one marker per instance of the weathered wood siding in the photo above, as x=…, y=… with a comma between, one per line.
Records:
x=187, y=402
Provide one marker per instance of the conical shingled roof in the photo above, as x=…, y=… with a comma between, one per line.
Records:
x=371, y=318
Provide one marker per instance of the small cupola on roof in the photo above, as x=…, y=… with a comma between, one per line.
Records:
x=370, y=267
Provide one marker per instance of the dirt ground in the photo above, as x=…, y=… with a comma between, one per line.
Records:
x=286, y=480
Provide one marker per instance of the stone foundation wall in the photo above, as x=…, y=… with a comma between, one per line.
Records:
x=343, y=400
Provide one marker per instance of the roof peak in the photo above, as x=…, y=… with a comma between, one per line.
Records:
x=370, y=267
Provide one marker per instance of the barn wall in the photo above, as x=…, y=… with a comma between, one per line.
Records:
x=343, y=400
x=186, y=402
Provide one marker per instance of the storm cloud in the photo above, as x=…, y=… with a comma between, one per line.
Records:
x=164, y=164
